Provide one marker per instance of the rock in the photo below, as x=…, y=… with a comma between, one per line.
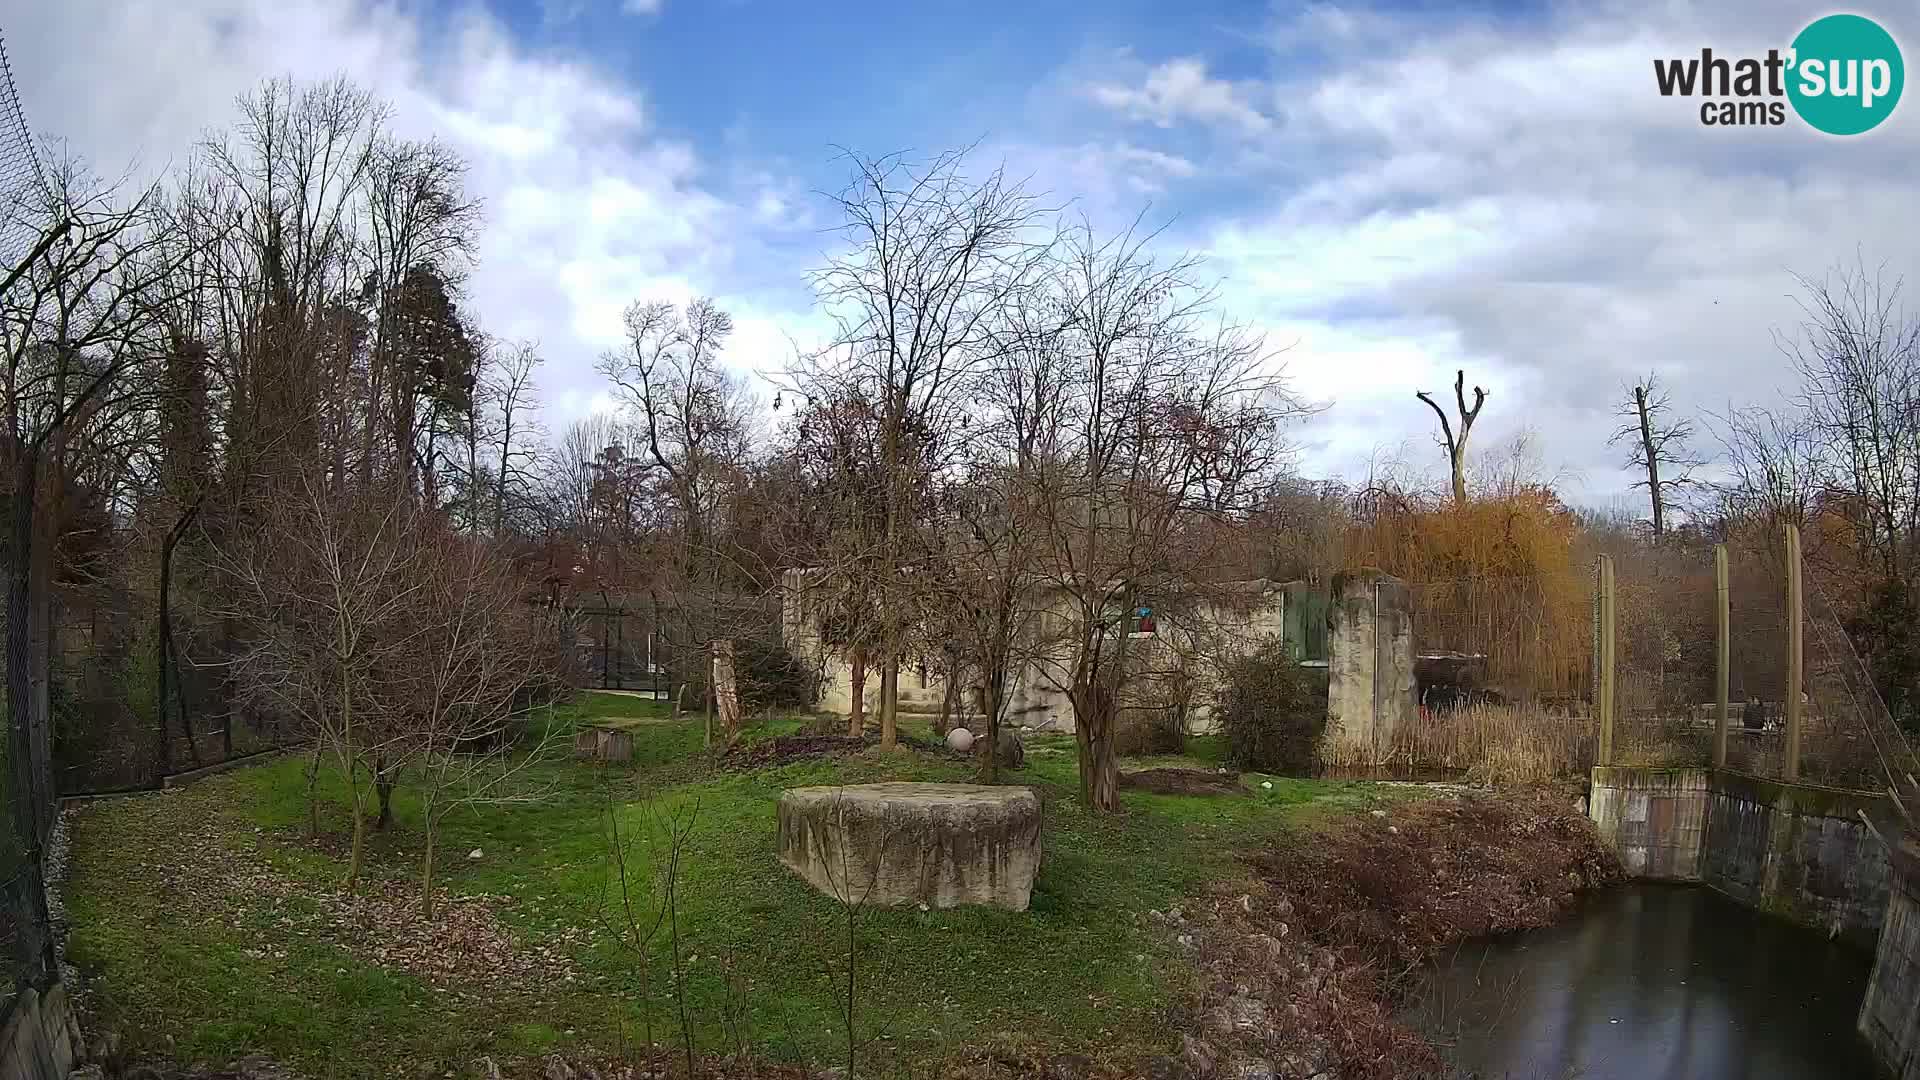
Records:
x=1237, y=1014
x=911, y=843
x=1379, y=813
x=475, y=853
x=558, y=1069
x=1198, y=1056
x=87, y=1072
x=1249, y=1068
x=960, y=740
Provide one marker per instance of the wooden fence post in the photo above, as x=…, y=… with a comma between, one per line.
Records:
x=1723, y=635
x=1603, y=659
x=1794, y=671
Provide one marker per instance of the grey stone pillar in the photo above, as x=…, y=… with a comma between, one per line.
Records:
x=1369, y=668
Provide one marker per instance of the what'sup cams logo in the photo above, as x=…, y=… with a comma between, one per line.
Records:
x=1842, y=75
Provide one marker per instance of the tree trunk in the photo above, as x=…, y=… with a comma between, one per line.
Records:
x=857, y=711
x=313, y=793
x=359, y=836
x=1093, y=729
x=949, y=701
x=990, y=705
x=426, y=866
x=383, y=787
x=889, y=703
x=1458, y=461
x=1653, y=462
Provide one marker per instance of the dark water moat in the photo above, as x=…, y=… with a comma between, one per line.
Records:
x=1652, y=983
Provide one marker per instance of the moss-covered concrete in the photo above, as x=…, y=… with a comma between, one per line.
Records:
x=1799, y=851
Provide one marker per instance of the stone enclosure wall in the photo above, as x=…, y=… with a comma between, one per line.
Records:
x=1795, y=850
x=1248, y=612
x=1890, y=1012
x=1370, y=693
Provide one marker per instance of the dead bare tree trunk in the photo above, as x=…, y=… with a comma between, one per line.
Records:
x=1648, y=451
x=1456, y=445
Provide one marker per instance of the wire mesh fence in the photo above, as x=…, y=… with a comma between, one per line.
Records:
x=23, y=184
x=1507, y=673
x=1665, y=659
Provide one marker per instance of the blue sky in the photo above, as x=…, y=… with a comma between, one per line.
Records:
x=1389, y=191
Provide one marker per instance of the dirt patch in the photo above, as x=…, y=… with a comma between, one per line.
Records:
x=788, y=748
x=1182, y=782
x=783, y=749
x=1304, y=966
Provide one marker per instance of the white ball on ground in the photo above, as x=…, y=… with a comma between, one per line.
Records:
x=960, y=740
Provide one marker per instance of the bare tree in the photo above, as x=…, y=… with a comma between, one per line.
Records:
x=1456, y=444
x=931, y=256
x=329, y=590
x=694, y=425
x=1159, y=427
x=474, y=659
x=1858, y=355
x=80, y=335
x=1657, y=446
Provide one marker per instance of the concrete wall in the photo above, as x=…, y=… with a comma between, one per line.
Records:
x=1034, y=696
x=1890, y=1013
x=1798, y=851
x=1794, y=850
x=1656, y=819
x=41, y=1037
x=1369, y=668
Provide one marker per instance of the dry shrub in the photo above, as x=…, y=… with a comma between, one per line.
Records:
x=1151, y=730
x=1273, y=711
x=1394, y=891
x=1497, y=577
x=1499, y=744
x=1305, y=967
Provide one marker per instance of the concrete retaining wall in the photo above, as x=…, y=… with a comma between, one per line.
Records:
x=1890, y=1013
x=1794, y=850
x=1654, y=818
x=1798, y=851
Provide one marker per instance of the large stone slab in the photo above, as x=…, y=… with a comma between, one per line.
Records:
x=942, y=845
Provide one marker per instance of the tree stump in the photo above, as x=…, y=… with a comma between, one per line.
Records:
x=942, y=845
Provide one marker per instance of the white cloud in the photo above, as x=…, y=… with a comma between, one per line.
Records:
x=1181, y=90
x=586, y=206
x=1520, y=201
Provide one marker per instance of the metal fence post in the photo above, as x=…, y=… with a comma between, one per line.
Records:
x=1794, y=656
x=1723, y=634
x=1603, y=658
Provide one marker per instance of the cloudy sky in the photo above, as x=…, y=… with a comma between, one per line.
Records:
x=1390, y=191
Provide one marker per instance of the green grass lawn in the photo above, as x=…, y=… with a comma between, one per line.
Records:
x=205, y=971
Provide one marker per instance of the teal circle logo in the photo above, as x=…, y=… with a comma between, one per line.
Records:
x=1845, y=74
